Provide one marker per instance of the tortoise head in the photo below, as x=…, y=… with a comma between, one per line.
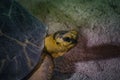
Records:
x=67, y=39
x=60, y=42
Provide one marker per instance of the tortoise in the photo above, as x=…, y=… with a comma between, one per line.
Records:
x=23, y=54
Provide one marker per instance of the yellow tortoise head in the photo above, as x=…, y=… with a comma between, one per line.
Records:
x=60, y=42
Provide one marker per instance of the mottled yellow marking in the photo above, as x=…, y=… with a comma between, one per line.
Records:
x=58, y=47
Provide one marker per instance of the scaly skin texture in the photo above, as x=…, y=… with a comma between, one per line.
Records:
x=56, y=45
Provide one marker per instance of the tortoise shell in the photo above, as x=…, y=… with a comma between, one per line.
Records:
x=21, y=41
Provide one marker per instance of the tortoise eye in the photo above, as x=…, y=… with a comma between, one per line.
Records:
x=67, y=39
